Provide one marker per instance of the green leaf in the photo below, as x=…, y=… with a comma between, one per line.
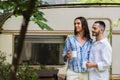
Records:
x=18, y=6
x=44, y=26
x=41, y=24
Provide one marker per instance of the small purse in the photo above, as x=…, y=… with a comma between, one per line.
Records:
x=62, y=71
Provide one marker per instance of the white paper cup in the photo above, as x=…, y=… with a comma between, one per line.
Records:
x=84, y=65
x=74, y=54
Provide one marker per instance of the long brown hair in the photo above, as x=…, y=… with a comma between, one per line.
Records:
x=84, y=26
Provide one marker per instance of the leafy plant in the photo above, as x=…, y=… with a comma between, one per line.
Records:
x=4, y=67
x=24, y=72
x=19, y=7
x=115, y=24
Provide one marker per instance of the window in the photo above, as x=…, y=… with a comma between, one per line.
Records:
x=41, y=49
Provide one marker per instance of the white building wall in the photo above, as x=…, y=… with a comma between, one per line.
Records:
x=62, y=18
x=116, y=54
x=6, y=46
x=14, y=23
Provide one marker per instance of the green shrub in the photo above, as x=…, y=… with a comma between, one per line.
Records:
x=24, y=72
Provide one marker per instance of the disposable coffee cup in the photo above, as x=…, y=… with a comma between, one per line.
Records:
x=84, y=65
x=74, y=54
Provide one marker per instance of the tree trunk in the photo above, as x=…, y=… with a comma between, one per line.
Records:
x=17, y=54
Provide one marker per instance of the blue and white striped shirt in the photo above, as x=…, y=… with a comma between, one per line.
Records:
x=83, y=51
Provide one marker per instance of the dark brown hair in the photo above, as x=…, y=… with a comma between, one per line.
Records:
x=84, y=26
x=101, y=23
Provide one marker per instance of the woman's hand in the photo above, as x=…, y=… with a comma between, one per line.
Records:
x=68, y=55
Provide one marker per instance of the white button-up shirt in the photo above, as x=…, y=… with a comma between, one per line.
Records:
x=101, y=54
